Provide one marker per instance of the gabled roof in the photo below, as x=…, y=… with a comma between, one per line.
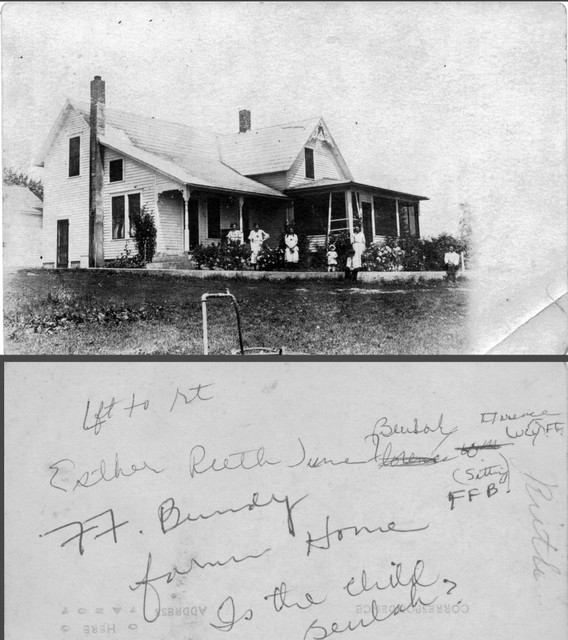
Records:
x=274, y=148
x=184, y=153
x=208, y=160
x=18, y=199
x=266, y=150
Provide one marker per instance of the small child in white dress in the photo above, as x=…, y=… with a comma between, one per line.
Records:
x=332, y=258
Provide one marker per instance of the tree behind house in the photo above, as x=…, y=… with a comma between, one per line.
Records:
x=13, y=177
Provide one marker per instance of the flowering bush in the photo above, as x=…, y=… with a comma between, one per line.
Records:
x=225, y=257
x=380, y=257
x=270, y=259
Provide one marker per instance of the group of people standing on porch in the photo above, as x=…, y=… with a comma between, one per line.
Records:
x=257, y=237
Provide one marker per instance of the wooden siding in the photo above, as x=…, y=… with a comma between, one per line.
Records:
x=68, y=198
x=171, y=222
x=136, y=179
x=277, y=180
x=65, y=197
x=315, y=242
x=324, y=162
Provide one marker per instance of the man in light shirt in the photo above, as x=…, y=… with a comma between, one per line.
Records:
x=452, y=263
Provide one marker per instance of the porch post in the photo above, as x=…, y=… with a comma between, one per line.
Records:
x=186, y=196
x=328, y=233
x=157, y=221
x=417, y=217
x=397, y=218
x=241, y=204
x=349, y=209
x=373, y=218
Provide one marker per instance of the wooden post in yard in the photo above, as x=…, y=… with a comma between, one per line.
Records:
x=96, y=172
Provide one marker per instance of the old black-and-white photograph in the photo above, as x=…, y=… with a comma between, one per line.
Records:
x=286, y=178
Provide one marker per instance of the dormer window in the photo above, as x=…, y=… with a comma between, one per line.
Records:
x=74, y=156
x=115, y=170
x=309, y=158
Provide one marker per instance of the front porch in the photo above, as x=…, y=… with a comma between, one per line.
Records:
x=187, y=217
x=323, y=208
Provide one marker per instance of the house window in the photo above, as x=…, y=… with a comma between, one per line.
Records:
x=74, y=156
x=407, y=219
x=115, y=169
x=123, y=209
x=309, y=157
x=213, y=218
x=385, y=216
x=133, y=208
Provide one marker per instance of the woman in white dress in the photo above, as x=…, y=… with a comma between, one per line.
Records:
x=235, y=236
x=358, y=246
x=257, y=237
x=292, y=253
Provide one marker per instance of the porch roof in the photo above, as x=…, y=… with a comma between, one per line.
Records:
x=205, y=174
x=325, y=185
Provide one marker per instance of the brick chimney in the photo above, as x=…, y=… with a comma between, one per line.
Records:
x=96, y=172
x=244, y=120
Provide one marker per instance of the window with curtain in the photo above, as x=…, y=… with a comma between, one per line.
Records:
x=123, y=209
x=118, y=215
x=133, y=208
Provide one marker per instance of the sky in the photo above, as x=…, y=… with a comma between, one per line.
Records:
x=461, y=102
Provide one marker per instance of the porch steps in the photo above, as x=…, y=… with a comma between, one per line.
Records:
x=164, y=261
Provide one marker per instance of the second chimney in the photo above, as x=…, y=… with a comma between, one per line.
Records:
x=244, y=120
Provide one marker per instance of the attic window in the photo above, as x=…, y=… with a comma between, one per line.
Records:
x=74, y=156
x=309, y=157
x=115, y=169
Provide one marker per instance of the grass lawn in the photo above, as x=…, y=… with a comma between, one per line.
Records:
x=99, y=312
